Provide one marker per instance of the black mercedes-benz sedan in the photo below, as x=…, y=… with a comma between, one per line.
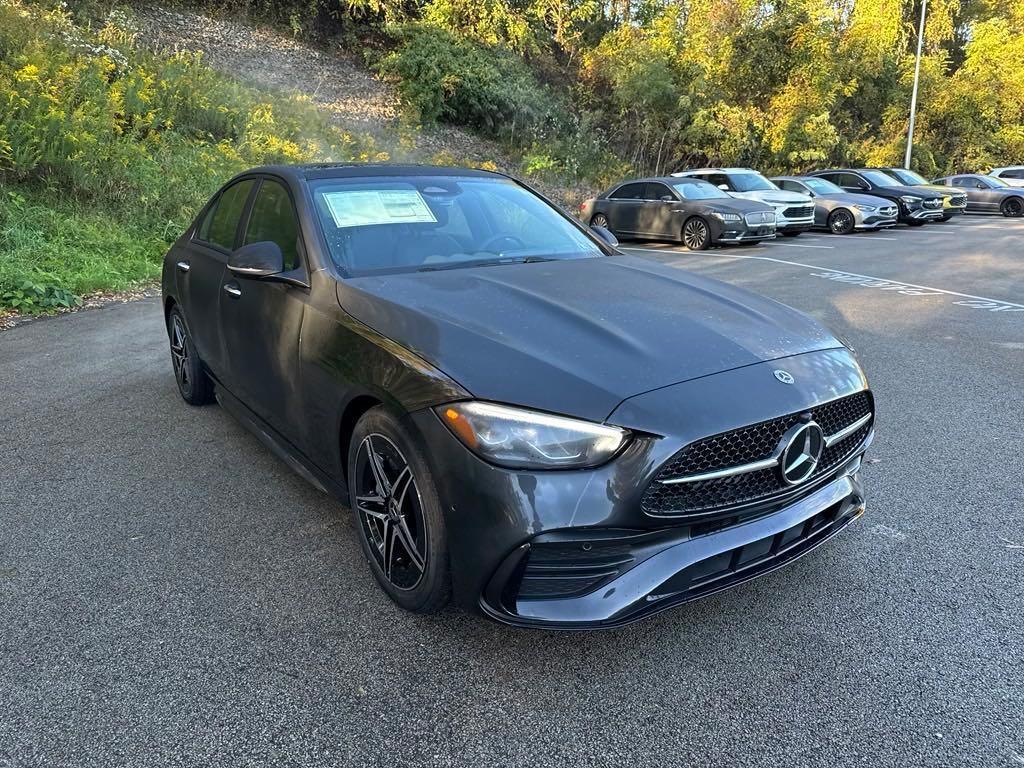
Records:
x=517, y=414
x=690, y=211
x=916, y=205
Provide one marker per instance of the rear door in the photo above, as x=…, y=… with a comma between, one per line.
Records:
x=261, y=317
x=200, y=270
x=624, y=211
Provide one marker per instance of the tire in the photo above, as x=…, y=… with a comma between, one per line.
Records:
x=194, y=385
x=915, y=223
x=841, y=222
x=600, y=220
x=398, y=514
x=791, y=233
x=1012, y=207
x=946, y=216
x=696, y=234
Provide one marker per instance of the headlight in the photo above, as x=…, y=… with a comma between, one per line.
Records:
x=910, y=199
x=522, y=439
x=725, y=216
x=866, y=208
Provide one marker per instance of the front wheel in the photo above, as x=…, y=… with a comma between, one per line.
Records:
x=194, y=385
x=915, y=223
x=840, y=222
x=398, y=514
x=696, y=234
x=1012, y=207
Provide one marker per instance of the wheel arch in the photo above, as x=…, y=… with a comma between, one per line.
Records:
x=350, y=416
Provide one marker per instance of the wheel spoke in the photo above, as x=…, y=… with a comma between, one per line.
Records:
x=390, y=534
x=379, y=478
x=405, y=536
x=363, y=505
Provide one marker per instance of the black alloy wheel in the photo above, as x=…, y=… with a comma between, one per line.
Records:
x=599, y=220
x=399, y=517
x=696, y=235
x=1012, y=206
x=840, y=222
x=193, y=384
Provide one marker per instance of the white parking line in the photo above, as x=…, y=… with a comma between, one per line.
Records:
x=992, y=304
x=865, y=238
x=798, y=245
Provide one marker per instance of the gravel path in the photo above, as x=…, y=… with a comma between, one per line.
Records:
x=333, y=80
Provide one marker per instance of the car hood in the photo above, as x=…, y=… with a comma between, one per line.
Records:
x=851, y=198
x=922, y=192
x=579, y=336
x=939, y=189
x=734, y=204
x=773, y=197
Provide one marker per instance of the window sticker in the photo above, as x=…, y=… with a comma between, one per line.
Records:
x=363, y=208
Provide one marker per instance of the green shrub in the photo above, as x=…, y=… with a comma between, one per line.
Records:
x=443, y=77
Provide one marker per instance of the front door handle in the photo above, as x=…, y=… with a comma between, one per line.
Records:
x=232, y=290
x=183, y=266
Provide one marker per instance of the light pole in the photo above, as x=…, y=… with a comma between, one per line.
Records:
x=913, y=94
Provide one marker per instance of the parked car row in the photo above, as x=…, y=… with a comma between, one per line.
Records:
x=708, y=206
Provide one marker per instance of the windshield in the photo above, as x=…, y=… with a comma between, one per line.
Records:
x=908, y=177
x=822, y=186
x=750, y=182
x=994, y=181
x=698, y=190
x=881, y=179
x=420, y=223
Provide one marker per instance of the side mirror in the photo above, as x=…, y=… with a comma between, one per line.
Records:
x=724, y=187
x=667, y=199
x=260, y=259
x=606, y=235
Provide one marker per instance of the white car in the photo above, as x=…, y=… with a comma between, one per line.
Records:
x=794, y=212
x=1011, y=174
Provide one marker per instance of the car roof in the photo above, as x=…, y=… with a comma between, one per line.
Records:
x=1003, y=168
x=716, y=170
x=356, y=170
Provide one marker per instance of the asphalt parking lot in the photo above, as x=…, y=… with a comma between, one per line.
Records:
x=172, y=594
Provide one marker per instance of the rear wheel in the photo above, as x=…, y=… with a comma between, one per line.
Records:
x=1012, y=206
x=696, y=234
x=398, y=514
x=600, y=220
x=840, y=222
x=194, y=385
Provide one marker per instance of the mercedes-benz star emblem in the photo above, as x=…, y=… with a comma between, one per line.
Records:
x=801, y=452
x=784, y=376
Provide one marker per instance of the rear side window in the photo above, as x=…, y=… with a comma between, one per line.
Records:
x=629, y=192
x=1016, y=173
x=962, y=181
x=273, y=219
x=789, y=186
x=718, y=179
x=223, y=219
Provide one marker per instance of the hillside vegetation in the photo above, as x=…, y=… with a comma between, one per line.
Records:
x=107, y=148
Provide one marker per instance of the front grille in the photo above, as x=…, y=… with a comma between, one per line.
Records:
x=933, y=203
x=889, y=211
x=745, y=446
x=958, y=200
x=760, y=217
x=798, y=212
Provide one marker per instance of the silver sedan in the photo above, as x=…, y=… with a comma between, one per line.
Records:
x=839, y=211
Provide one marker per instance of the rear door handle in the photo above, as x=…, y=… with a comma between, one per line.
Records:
x=232, y=290
x=184, y=266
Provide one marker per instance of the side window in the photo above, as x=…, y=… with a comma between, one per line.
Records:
x=851, y=180
x=629, y=192
x=273, y=219
x=719, y=179
x=789, y=186
x=961, y=181
x=1015, y=174
x=656, y=191
x=223, y=220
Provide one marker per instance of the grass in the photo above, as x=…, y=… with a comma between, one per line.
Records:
x=107, y=150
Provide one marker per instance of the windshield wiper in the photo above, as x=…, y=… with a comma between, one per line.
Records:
x=483, y=263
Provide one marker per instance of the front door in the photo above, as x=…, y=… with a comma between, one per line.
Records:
x=261, y=318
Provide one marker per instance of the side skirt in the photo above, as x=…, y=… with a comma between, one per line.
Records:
x=280, y=446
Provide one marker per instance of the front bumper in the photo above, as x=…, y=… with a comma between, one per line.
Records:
x=669, y=567
x=870, y=221
x=921, y=214
x=497, y=519
x=732, y=233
